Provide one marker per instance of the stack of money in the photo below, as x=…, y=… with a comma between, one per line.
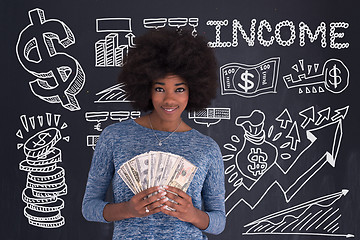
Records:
x=157, y=169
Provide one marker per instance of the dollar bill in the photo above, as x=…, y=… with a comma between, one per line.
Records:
x=142, y=162
x=183, y=175
x=157, y=168
x=126, y=178
x=160, y=167
x=170, y=166
x=154, y=158
x=131, y=167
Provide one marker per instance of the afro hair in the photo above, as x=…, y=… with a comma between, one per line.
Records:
x=167, y=51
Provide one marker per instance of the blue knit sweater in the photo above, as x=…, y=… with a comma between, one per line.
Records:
x=119, y=143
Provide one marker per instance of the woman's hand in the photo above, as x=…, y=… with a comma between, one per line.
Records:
x=146, y=202
x=183, y=208
x=142, y=204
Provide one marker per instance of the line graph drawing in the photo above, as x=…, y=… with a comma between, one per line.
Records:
x=317, y=217
x=290, y=168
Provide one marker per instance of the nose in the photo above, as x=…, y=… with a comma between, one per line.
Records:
x=169, y=98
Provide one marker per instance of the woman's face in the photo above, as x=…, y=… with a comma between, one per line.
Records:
x=169, y=96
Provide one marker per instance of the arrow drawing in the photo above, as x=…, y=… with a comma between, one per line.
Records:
x=323, y=115
x=326, y=141
x=309, y=115
x=284, y=118
x=316, y=217
x=294, y=136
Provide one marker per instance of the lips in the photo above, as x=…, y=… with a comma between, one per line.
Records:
x=170, y=109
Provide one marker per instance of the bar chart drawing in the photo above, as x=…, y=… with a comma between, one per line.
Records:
x=109, y=51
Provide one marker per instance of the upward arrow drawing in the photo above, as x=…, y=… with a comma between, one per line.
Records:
x=309, y=115
x=304, y=167
x=284, y=118
x=294, y=136
x=130, y=37
x=319, y=200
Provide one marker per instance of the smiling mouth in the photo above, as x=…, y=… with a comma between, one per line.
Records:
x=169, y=109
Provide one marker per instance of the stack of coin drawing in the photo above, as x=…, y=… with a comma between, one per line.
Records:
x=45, y=180
x=157, y=169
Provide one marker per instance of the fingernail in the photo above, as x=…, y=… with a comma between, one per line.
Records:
x=163, y=193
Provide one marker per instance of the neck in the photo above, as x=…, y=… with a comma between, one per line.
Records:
x=168, y=126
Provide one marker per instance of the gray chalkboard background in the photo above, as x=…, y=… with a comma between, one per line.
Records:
x=286, y=115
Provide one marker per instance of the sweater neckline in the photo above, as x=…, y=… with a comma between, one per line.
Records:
x=159, y=131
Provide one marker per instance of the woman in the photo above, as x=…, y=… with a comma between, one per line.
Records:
x=168, y=72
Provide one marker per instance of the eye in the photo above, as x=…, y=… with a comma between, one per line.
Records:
x=180, y=90
x=159, y=89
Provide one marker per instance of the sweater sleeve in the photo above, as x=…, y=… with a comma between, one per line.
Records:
x=214, y=193
x=99, y=179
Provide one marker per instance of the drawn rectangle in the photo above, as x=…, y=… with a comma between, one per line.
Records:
x=100, y=53
x=111, y=42
x=113, y=25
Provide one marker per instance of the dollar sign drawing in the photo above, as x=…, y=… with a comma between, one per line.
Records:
x=59, y=76
x=41, y=141
x=336, y=79
x=248, y=84
x=258, y=159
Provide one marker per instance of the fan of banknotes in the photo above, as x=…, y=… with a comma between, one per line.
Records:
x=157, y=169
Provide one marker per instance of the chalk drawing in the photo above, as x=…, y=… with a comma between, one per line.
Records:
x=250, y=80
x=286, y=156
x=334, y=35
x=103, y=116
x=114, y=25
x=59, y=76
x=334, y=77
x=91, y=140
x=109, y=52
x=317, y=217
x=305, y=29
x=177, y=22
x=97, y=117
x=114, y=94
x=209, y=116
x=277, y=34
x=218, y=25
x=154, y=23
x=45, y=182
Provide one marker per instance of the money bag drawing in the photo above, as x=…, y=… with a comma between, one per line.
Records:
x=256, y=154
